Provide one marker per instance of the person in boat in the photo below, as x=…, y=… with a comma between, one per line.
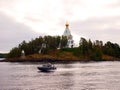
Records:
x=49, y=64
x=47, y=67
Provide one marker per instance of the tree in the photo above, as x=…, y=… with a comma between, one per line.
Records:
x=63, y=41
x=15, y=52
x=112, y=49
x=83, y=45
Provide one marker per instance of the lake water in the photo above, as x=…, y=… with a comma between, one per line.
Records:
x=2, y=58
x=76, y=76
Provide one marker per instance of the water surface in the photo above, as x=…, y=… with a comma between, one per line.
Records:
x=76, y=76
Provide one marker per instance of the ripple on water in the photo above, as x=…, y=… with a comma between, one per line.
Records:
x=77, y=76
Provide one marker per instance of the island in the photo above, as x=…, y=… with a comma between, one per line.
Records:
x=54, y=49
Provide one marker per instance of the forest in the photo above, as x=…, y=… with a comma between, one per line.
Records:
x=3, y=55
x=95, y=50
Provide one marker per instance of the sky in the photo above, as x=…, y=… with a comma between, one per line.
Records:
x=27, y=19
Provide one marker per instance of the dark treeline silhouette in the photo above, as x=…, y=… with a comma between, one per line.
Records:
x=3, y=55
x=34, y=46
x=95, y=50
x=87, y=49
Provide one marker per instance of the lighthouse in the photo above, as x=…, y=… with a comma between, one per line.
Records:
x=67, y=33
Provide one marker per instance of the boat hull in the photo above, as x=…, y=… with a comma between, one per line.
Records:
x=46, y=69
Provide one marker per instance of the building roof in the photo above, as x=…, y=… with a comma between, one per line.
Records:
x=67, y=32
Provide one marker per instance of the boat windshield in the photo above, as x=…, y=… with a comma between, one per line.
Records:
x=47, y=65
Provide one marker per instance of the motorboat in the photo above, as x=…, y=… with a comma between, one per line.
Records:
x=46, y=67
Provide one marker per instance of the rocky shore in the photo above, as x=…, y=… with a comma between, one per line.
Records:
x=66, y=57
x=41, y=60
x=50, y=60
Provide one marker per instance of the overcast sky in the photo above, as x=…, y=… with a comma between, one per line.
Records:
x=27, y=19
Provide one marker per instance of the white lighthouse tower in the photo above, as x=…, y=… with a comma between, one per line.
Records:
x=67, y=33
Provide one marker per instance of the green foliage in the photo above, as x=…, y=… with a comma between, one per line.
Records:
x=63, y=41
x=112, y=49
x=95, y=50
x=91, y=50
x=96, y=55
x=87, y=48
x=15, y=52
x=3, y=55
x=75, y=51
x=34, y=46
x=83, y=45
x=44, y=50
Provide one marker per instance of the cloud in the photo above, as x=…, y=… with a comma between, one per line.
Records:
x=115, y=4
x=13, y=33
x=105, y=28
x=88, y=18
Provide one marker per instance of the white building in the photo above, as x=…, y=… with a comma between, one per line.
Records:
x=67, y=33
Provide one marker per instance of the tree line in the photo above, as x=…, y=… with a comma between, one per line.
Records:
x=93, y=50
x=34, y=46
x=3, y=55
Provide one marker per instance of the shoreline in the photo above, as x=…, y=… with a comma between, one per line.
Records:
x=51, y=60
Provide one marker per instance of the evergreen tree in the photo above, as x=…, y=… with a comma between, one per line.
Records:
x=15, y=52
x=83, y=45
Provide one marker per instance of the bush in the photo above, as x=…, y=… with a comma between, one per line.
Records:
x=15, y=52
x=97, y=55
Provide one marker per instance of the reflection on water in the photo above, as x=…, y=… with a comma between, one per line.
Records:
x=77, y=76
x=2, y=58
